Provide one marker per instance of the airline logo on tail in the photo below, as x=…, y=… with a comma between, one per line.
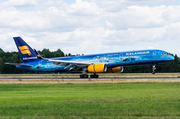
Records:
x=25, y=50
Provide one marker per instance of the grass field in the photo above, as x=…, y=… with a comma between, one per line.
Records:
x=118, y=100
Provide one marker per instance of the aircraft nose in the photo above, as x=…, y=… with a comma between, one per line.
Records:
x=171, y=58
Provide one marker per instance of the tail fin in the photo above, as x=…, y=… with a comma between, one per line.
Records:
x=26, y=52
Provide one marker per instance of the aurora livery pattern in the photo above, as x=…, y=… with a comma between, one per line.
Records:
x=96, y=63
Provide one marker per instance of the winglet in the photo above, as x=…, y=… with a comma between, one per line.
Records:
x=39, y=56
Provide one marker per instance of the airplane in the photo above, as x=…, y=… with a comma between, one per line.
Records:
x=96, y=63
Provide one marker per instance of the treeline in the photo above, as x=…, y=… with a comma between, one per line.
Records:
x=14, y=57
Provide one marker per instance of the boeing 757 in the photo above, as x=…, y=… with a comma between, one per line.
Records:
x=96, y=63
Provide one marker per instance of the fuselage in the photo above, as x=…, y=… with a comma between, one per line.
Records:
x=111, y=59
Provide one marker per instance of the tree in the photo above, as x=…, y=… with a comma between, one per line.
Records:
x=176, y=64
x=46, y=53
x=58, y=53
x=1, y=65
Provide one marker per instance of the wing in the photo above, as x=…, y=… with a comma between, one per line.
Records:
x=67, y=64
x=70, y=64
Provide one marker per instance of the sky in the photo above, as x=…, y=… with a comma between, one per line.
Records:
x=91, y=26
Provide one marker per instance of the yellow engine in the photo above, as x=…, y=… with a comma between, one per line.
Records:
x=115, y=70
x=97, y=68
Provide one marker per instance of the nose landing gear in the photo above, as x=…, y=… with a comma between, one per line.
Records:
x=153, y=68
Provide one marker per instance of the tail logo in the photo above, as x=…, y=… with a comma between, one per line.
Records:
x=25, y=50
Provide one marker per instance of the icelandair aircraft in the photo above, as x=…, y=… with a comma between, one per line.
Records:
x=97, y=63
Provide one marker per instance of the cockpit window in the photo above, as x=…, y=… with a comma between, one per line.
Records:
x=163, y=53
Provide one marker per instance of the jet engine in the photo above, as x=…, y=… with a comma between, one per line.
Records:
x=115, y=70
x=97, y=68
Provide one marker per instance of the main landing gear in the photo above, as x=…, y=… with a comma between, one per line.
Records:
x=84, y=75
x=94, y=76
x=91, y=76
x=153, y=68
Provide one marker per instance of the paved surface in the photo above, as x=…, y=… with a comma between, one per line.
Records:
x=133, y=78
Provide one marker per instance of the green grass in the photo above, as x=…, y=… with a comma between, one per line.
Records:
x=121, y=100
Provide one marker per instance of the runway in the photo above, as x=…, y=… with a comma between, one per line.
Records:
x=129, y=78
x=88, y=80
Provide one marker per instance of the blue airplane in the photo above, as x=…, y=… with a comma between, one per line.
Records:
x=96, y=63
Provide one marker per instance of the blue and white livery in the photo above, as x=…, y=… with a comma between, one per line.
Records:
x=96, y=63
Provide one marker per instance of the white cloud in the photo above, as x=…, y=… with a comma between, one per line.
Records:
x=19, y=3
x=82, y=8
x=108, y=24
x=143, y=17
x=50, y=2
x=117, y=5
x=21, y=20
x=90, y=26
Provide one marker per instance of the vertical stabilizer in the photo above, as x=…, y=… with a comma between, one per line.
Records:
x=26, y=52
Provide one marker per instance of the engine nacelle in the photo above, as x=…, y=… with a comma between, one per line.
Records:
x=115, y=70
x=97, y=68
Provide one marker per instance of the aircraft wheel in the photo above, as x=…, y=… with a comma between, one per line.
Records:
x=81, y=76
x=92, y=76
x=96, y=76
x=153, y=72
x=86, y=76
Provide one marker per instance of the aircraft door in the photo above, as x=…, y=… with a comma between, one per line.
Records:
x=154, y=54
x=40, y=63
x=120, y=57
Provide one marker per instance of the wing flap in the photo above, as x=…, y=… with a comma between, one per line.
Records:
x=70, y=64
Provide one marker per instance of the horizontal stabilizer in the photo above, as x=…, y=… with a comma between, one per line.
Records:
x=19, y=64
